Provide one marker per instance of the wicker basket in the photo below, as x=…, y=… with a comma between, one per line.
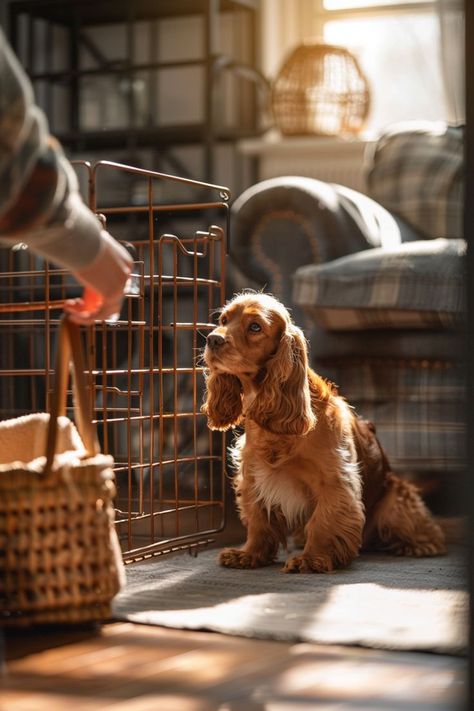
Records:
x=320, y=90
x=60, y=560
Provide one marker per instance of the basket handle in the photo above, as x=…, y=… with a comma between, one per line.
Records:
x=69, y=349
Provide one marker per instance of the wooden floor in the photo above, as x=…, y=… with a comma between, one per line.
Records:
x=122, y=666
x=129, y=667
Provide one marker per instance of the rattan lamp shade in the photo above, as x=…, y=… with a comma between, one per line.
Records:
x=320, y=90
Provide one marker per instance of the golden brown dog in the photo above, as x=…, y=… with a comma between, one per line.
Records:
x=306, y=464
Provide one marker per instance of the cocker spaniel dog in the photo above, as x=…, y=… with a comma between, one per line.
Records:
x=306, y=465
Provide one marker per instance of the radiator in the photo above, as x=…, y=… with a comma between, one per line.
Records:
x=332, y=159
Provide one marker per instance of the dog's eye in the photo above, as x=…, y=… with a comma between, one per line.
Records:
x=223, y=320
x=255, y=327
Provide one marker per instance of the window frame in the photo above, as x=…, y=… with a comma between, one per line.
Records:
x=323, y=14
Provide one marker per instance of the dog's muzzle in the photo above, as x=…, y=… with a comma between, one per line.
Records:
x=214, y=341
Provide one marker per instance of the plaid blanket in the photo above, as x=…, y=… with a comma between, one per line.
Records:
x=418, y=408
x=416, y=172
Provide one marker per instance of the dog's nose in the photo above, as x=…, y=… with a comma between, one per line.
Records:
x=215, y=341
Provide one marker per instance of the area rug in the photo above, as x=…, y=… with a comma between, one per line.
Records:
x=380, y=601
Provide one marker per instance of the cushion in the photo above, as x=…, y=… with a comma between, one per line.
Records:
x=416, y=172
x=417, y=285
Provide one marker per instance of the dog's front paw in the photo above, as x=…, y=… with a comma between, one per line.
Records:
x=309, y=564
x=238, y=558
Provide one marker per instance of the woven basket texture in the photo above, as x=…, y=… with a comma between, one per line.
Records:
x=320, y=90
x=60, y=560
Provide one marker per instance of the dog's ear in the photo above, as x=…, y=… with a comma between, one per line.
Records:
x=222, y=401
x=283, y=402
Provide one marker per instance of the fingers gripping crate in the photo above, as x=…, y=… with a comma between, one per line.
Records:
x=144, y=370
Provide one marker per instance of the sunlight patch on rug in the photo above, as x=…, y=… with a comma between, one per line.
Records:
x=380, y=601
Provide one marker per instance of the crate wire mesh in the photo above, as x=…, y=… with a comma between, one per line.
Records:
x=145, y=378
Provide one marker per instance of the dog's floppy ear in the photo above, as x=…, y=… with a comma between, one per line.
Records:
x=222, y=401
x=283, y=402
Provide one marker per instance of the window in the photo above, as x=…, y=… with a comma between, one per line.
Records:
x=398, y=46
x=397, y=43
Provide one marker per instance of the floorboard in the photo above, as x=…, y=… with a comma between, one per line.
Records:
x=127, y=667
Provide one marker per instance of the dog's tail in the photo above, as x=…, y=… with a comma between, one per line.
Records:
x=403, y=524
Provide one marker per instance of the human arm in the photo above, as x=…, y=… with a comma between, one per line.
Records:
x=40, y=204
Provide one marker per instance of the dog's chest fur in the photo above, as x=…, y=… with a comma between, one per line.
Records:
x=272, y=484
x=275, y=490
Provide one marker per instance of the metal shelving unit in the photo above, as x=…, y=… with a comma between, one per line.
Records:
x=57, y=42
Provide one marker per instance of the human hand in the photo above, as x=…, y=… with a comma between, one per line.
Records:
x=105, y=281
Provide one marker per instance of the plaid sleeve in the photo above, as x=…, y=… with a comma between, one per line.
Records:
x=39, y=200
x=416, y=172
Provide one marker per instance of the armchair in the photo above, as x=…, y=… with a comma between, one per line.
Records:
x=377, y=283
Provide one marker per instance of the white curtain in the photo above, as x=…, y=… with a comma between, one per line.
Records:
x=451, y=18
x=285, y=24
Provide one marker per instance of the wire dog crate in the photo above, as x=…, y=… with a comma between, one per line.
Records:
x=145, y=377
